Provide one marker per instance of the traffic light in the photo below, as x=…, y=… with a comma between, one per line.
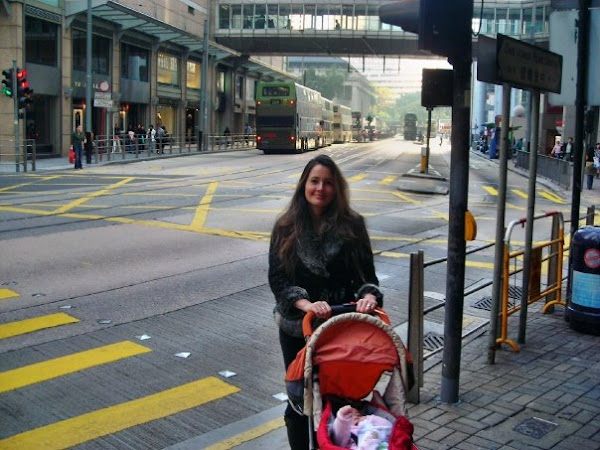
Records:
x=443, y=27
x=23, y=92
x=7, y=82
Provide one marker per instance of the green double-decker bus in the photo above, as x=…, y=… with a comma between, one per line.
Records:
x=289, y=117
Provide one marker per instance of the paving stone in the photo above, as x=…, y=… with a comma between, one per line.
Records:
x=440, y=434
x=483, y=443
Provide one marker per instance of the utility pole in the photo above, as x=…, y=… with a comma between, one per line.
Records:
x=202, y=114
x=88, y=71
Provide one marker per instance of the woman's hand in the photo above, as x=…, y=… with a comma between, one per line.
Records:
x=367, y=304
x=322, y=310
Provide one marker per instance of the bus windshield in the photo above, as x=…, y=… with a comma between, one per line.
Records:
x=276, y=91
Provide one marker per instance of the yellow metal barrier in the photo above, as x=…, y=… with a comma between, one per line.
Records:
x=553, y=289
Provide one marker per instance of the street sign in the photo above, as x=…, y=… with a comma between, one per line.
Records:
x=522, y=65
x=103, y=95
x=102, y=103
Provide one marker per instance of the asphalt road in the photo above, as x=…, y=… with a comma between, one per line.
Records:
x=134, y=309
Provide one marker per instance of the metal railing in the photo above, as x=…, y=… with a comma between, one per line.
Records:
x=558, y=170
x=23, y=156
x=122, y=146
x=416, y=298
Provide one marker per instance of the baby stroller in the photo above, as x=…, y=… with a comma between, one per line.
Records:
x=343, y=362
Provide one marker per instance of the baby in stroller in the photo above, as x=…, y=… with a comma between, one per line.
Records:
x=353, y=430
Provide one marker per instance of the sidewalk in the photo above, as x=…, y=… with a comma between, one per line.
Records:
x=545, y=397
x=62, y=163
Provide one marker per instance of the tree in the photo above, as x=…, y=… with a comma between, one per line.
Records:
x=330, y=84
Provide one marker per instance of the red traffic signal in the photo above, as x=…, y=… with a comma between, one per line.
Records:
x=23, y=92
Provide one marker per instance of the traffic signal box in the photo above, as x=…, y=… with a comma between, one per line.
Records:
x=7, y=82
x=443, y=26
x=24, y=93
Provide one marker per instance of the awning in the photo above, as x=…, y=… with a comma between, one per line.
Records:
x=127, y=18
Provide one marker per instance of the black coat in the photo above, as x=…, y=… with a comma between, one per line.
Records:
x=327, y=269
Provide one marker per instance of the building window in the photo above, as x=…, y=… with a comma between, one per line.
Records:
x=239, y=87
x=41, y=41
x=193, y=75
x=168, y=69
x=100, y=53
x=134, y=62
x=221, y=81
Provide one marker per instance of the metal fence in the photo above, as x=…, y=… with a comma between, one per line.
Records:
x=557, y=170
x=417, y=310
x=22, y=156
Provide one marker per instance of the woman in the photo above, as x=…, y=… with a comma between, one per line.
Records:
x=320, y=255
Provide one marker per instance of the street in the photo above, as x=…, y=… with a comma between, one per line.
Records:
x=134, y=305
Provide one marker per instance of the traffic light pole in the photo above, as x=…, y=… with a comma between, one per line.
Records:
x=16, y=116
x=461, y=60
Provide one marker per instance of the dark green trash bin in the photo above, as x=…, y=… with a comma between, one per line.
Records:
x=583, y=309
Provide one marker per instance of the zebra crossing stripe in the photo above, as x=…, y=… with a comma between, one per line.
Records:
x=37, y=323
x=57, y=367
x=95, y=424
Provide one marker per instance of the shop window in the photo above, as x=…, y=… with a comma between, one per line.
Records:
x=41, y=41
x=193, y=75
x=100, y=52
x=134, y=62
x=168, y=69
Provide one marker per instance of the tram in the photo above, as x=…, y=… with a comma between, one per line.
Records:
x=289, y=117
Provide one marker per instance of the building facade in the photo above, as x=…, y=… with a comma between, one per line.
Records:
x=146, y=63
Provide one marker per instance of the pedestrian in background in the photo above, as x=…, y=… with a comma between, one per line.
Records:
x=557, y=150
x=320, y=255
x=567, y=149
x=590, y=168
x=152, y=138
x=77, y=139
x=227, y=135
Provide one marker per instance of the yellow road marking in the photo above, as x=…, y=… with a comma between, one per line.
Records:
x=520, y=193
x=234, y=441
x=95, y=424
x=360, y=176
x=388, y=180
x=202, y=209
x=57, y=367
x=490, y=190
x=552, y=197
x=87, y=198
x=475, y=264
x=406, y=198
x=8, y=293
x=295, y=175
x=16, y=186
x=38, y=323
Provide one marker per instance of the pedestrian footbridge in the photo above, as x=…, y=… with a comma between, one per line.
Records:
x=352, y=27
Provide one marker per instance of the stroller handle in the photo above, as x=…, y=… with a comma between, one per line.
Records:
x=336, y=310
